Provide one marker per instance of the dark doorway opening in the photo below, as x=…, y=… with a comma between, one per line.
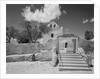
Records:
x=66, y=45
x=52, y=35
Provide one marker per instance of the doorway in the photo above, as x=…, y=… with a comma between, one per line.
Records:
x=70, y=45
x=66, y=45
x=52, y=35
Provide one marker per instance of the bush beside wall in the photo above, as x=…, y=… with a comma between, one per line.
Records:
x=88, y=47
x=12, y=49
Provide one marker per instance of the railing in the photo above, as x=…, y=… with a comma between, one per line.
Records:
x=84, y=56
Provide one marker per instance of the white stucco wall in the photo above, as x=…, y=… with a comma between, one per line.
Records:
x=57, y=31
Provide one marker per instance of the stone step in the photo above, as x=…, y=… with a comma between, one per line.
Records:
x=68, y=54
x=71, y=53
x=62, y=54
x=63, y=59
x=73, y=62
x=76, y=57
x=76, y=66
x=74, y=69
x=73, y=65
x=71, y=59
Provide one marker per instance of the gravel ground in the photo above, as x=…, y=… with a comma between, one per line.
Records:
x=37, y=68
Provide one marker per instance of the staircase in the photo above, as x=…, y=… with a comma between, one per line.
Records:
x=72, y=62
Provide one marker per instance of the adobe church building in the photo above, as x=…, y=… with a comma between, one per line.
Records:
x=66, y=42
x=56, y=30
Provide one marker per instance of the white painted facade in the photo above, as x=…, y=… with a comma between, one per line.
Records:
x=56, y=31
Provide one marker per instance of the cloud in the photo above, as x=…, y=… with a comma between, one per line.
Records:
x=47, y=13
x=85, y=21
x=88, y=21
x=64, y=12
x=92, y=20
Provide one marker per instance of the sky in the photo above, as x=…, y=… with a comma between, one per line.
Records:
x=75, y=18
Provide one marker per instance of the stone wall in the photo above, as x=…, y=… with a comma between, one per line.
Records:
x=12, y=49
x=24, y=52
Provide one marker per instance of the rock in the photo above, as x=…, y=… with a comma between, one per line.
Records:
x=38, y=56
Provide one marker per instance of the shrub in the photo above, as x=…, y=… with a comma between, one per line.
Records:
x=88, y=46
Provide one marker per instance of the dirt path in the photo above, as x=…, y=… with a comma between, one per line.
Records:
x=37, y=68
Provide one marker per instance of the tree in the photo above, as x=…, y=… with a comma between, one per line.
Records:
x=27, y=26
x=23, y=37
x=11, y=32
x=89, y=35
x=44, y=29
x=38, y=30
x=35, y=30
x=35, y=34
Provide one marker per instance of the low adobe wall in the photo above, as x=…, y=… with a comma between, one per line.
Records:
x=12, y=49
x=45, y=56
x=24, y=52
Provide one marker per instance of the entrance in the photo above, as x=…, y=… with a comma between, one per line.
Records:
x=68, y=44
x=52, y=35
